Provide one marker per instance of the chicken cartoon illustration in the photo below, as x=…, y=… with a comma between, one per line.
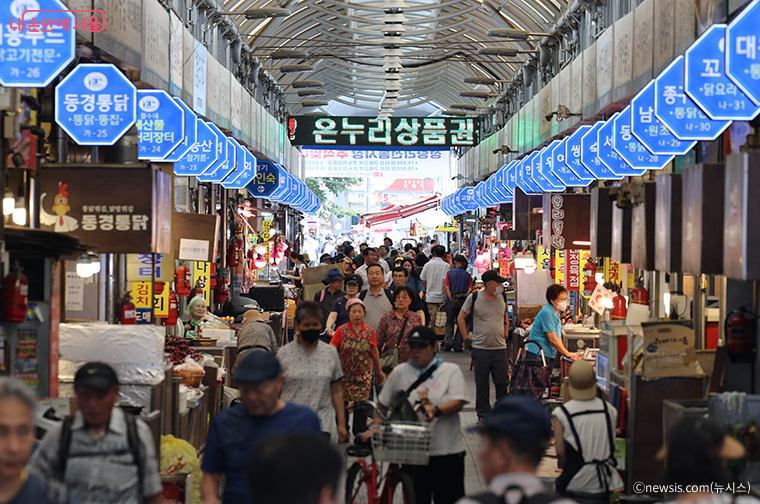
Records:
x=63, y=223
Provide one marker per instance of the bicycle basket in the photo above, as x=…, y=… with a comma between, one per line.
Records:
x=403, y=443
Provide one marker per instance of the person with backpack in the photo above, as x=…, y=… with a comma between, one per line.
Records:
x=585, y=440
x=339, y=313
x=490, y=327
x=457, y=286
x=327, y=297
x=101, y=453
x=514, y=436
x=436, y=391
x=376, y=297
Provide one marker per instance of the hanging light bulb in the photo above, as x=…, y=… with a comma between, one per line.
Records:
x=19, y=212
x=9, y=203
x=84, y=266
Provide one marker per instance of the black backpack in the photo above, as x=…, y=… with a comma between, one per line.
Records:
x=133, y=440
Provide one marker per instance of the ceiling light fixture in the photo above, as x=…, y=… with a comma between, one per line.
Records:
x=515, y=34
x=314, y=103
x=464, y=106
x=288, y=54
x=267, y=12
x=286, y=69
x=485, y=81
x=306, y=84
x=498, y=51
x=312, y=92
x=9, y=203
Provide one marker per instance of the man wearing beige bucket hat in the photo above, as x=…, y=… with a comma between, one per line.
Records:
x=584, y=433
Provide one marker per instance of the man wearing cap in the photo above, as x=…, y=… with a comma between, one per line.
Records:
x=584, y=431
x=513, y=439
x=457, y=286
x=441, y=397
x=235, y=432
x=326, y=297
x=490, y=327
x=100, y=454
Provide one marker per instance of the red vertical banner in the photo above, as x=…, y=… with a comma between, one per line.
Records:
x=573, y=265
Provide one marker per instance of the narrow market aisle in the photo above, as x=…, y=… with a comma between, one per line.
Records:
x=474, y=482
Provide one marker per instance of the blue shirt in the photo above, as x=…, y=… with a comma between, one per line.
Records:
x=547, y=320
x=34, y=490
x=234, y=435
x=339, y=307
x=459, y=280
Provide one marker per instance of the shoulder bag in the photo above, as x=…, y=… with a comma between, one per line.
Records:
x=389, y=358
x=402, y=410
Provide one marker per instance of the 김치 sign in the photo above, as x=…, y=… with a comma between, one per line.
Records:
x=394, y=132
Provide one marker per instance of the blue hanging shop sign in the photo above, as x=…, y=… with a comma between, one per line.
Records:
x=95, y=104
x=608, y=155
x=590, y=154
x=573, y=154
x=560, y=168
x=629, y=148
x=266, y=180
x=202, y=155
x=742, y=46
x=191, y=134
x=546, y=166
x=224, y=163
x=160, y=124
x=650, y=131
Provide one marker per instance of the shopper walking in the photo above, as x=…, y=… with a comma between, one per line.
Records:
x=17, y=485
x=312, y=372
x=585, y=441
x=347, y=265
x=396, y=325
x=100, y=453
x=376, y=297
x=358, y=351
x=327, y=297
x=457, y=286
x=371, y=257
x=255, y=336
x=413, y=280
x=400, y=277
x=443, y=397
x=432, y=276
x=513, y=439
x=309, y=459
x=490, y=327
x=236, y=432
x=339, y=313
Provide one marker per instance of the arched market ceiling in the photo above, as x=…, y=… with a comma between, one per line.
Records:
x=439, y=45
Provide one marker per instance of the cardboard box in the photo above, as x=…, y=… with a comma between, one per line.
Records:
x=669, y=349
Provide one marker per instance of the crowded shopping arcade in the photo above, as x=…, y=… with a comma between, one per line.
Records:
x=379, y=251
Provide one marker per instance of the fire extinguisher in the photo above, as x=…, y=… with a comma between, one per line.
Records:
x=171, y=320
x=220, y=292
x=183, y=278
x=232, y=256
x=16, y=291
x=619, y=308
x=639, y=295
x=589, y=277
x=552, y=266
x=159, y=288
x=212, y=276
x=740, y=335
x=128, y=311
x=197, y=290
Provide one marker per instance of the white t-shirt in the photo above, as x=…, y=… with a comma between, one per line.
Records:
x=592, y=429
x=446, y=384
x=433, y=273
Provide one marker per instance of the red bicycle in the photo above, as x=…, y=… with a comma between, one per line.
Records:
x=395, y=443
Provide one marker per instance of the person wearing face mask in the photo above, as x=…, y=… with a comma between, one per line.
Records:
x=490, y=327
x=547, y=329
x=312, y=372
x=357, y=346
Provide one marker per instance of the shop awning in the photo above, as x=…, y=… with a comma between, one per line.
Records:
x=400, y=211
